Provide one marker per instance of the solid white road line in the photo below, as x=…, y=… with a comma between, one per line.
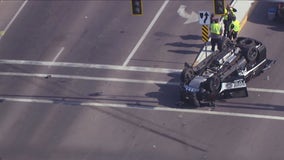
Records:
x=83, y=65
x=146, y=32
x=86, y=78
x=27, y=100
x=266, y=90
x=141, y=107
x=14, y=17
x=231, y=114
x=119, y=80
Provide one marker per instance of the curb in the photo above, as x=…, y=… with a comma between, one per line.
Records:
x=245, y=18
x=243, y=22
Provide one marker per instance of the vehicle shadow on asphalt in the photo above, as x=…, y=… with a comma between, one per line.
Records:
x=260, y=9
x=168, y=94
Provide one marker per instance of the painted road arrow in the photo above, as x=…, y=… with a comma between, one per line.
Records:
x=191, y=18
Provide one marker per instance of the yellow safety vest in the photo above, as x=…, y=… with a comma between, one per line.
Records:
x=237, y=25
x=215, y=28
x=226, y=13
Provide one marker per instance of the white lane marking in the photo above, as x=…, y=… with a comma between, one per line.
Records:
x=146, y=32
x=119, y=80
x=231, y=114
x=141, y=107
x=27, y=100
x=60, y=51
x=86, y=78
x=266, y=90
x=96, y=66
x=14, y=17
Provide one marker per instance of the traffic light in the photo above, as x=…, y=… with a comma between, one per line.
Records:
x=136, y=6
x=219, y=6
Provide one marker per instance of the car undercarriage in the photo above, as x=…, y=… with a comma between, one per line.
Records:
x=223, y=75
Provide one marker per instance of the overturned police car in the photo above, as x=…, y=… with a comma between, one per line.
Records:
x=223, y=75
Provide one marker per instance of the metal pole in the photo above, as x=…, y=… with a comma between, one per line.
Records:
x=206, y=50
x=207, y=41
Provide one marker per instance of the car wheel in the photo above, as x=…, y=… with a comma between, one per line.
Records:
x=214, y=84
x=252, y=54
x=247, y=42
x=187, y=73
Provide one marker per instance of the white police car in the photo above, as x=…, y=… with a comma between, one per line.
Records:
x=223, y=75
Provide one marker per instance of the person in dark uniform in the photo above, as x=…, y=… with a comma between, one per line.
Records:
x=187, y=74
x=213, y=87
x=227, y=19
x=212, y=98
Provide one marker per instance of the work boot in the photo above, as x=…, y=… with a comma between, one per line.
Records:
x=212, y=105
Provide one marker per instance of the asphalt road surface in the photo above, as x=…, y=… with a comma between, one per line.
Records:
x=87, y=80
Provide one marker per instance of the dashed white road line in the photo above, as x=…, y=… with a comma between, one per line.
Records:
x=146, y=33
x=14, y=17
x=141, y=107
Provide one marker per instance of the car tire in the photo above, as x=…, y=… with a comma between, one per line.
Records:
x=246, y=43
x=188, y=75
x=214, y=84
x=252, y=54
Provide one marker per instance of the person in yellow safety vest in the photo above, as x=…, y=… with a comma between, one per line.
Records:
x=234, y=28
x=216, y=35
x=227, y=19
